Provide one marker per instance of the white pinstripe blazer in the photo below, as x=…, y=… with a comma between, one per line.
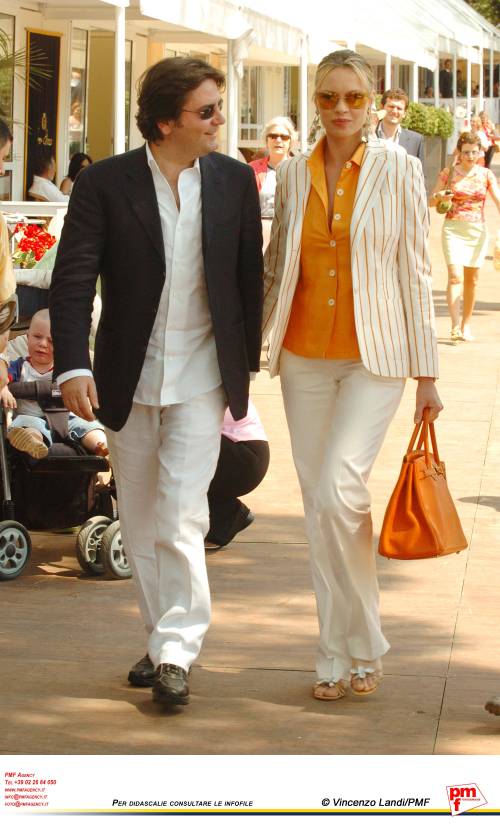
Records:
x=391, y=280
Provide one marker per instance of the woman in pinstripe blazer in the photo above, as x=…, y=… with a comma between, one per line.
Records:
x=348, y=295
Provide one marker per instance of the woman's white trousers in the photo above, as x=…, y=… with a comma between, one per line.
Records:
x=338, y=414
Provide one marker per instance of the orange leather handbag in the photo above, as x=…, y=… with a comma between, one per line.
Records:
x=421, y=520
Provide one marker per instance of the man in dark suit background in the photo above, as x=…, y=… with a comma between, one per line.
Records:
x=446, y=79
x=395, y=103
x=174, y=231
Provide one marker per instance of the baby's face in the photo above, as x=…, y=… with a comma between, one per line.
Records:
x=40, y=347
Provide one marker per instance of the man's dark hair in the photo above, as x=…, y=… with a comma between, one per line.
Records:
x=163, y=88
x=395, y=94
x=42, y=164
x=5, y=133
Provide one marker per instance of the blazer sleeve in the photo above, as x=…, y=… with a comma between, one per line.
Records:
x=274, y=257
x=250, y=272
x=415, y=271
x=74, y=277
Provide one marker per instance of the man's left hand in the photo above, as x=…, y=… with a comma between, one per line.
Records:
x=80, y=396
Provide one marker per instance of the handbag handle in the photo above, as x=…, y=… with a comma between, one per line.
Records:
x=422, y=431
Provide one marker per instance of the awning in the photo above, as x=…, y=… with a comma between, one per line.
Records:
x=227, y=21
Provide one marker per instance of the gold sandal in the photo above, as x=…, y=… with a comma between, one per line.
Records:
x=363, y=674
x=340, y=690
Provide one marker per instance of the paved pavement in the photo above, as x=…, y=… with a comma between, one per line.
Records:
x=68, y=639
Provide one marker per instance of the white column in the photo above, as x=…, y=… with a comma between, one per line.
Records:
x=232, y=103
x=388, y=78
x=481, y=82
x=414, y=82
x=454, y=80
x=469, y=88
x=119, y=98
x=490, y=91
x=436, y=81
x=303, y=116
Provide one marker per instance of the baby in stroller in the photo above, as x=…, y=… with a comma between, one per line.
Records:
x=29, y=430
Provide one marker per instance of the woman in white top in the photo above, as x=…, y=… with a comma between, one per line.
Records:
x=279, y=135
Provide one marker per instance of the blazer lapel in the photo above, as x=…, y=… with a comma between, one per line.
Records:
x=142, y=195
x=371, y=177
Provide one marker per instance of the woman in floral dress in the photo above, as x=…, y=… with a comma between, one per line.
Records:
x=464, y=236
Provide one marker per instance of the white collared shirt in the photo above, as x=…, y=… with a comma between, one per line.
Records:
x=181, y=359
x=381, y=134
x=44, y=188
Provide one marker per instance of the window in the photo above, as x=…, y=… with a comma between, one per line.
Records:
x=77, y=120
x=250, y=104
x=291, y=92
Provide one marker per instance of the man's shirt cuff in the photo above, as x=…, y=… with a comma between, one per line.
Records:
x=65, y=376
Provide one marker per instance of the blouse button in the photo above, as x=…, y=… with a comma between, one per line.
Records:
x=340, y=191
x=348, y=164
x=333, y=243
x=332, y=273
x=337, y=216
x=331, y=302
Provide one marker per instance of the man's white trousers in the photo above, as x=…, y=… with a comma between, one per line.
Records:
x=338, y=414
x=164, y=459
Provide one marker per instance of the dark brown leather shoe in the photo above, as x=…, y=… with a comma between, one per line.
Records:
x=171, y=685
x=142, y=673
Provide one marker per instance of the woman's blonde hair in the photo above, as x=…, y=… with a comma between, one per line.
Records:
x=334, y=60
x=345, y=58
x=280, y=122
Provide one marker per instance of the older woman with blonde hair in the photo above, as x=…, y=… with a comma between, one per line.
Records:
x=279, y=136
x=348, y=294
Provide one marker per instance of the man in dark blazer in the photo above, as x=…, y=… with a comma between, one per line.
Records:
x=174, y=231
x=395, y=103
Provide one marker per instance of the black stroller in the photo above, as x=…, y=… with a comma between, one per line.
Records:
x=56, y=492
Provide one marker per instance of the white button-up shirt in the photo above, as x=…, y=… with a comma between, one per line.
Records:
x=382, y=135
x=181, y=359
x=44, y=188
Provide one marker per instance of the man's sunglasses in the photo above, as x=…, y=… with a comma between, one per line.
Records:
x=329, y=100
x=275, y=136
x=207, y=112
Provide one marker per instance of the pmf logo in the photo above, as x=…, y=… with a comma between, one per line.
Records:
x=464, y=798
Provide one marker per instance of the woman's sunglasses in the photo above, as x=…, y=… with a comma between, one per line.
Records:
x=329, y=100
x=275, y=136
x=207, y=112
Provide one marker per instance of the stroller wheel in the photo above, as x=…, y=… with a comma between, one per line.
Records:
x=113, y=553
x=15, y=549
x=88, y=545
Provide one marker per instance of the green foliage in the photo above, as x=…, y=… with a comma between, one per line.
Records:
x=13, y=64
x=428, y=120
x=490, y=9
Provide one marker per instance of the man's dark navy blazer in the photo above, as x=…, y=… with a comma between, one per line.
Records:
x=113, y=229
